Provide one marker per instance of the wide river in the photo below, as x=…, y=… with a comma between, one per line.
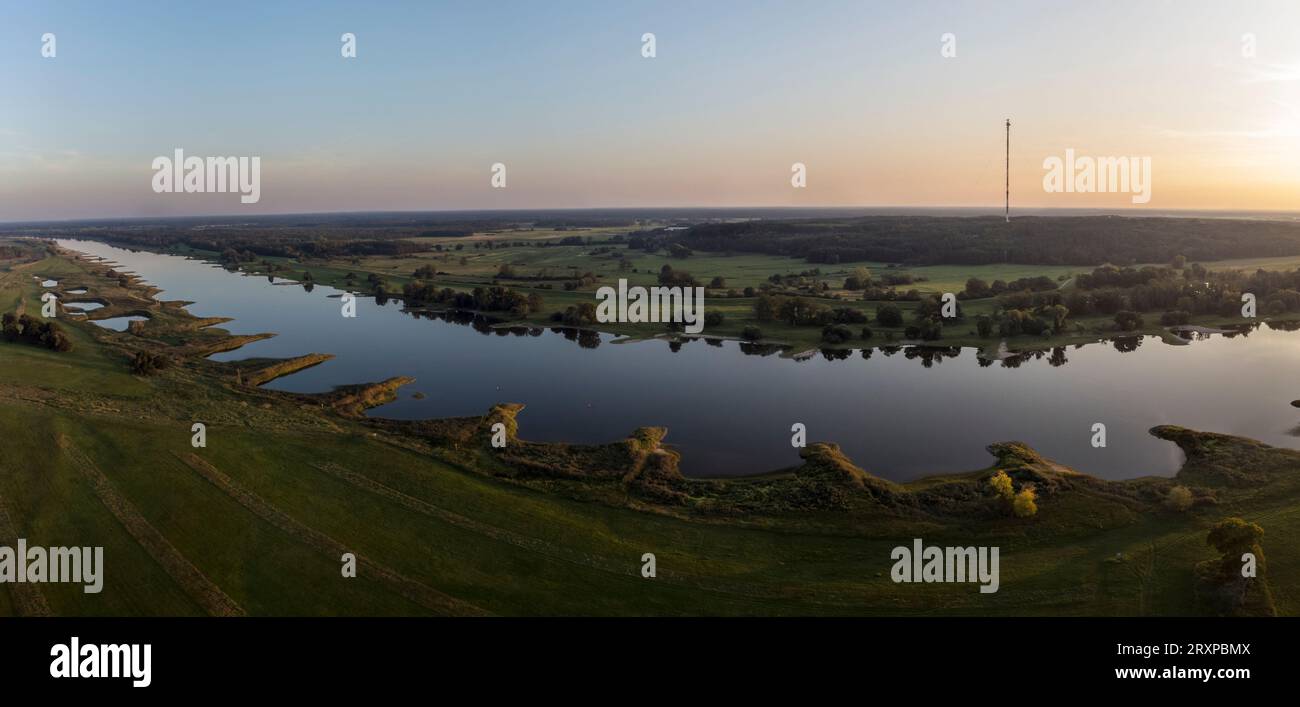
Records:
x=730, y=412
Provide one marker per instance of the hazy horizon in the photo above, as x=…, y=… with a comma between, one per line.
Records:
x=736, y=94
x=791, y=212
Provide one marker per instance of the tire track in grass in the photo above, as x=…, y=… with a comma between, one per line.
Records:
x=404, y=586
x=28, y=599
x=190, y=579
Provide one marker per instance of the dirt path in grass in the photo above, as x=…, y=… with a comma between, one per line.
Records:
x=189, y=578
x=28, y=600
x=404, y=586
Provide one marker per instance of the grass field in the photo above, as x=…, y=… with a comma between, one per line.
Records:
x=440, y=536
x=739, y=271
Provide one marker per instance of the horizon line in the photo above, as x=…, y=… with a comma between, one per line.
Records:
x=993, y=211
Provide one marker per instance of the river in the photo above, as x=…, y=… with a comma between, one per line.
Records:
x=730, y=412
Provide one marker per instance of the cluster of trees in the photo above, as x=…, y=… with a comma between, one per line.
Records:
x=859, y=279
x=981, y=240
x=585, y=280
x=233, y=258
x=979, y=289
x=836, y=334
x=1047, y=319
x=1128, y=321
x=798, y=311
x=25, y=329
x=669, y=277
x=484, y=299
x=1111, y=276
x=1023, y=503
x=777, y=278
x=583, y=314
x=928, y=324
x=1193, y=290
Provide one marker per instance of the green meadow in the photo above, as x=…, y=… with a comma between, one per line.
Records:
x=301, y=482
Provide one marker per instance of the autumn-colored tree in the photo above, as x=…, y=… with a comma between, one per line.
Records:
x=1001, y=484
x=1025, y=505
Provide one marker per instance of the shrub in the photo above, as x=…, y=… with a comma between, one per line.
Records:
x=836, y=334
x=28, y=330
x=888, y=315
x=1025, y=505
x=751, y=333
x=1001, y=484
x=1179, y=499
x=1128, y=321
x=147, y=363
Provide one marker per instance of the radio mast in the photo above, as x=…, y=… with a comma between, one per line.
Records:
x=1008, y=171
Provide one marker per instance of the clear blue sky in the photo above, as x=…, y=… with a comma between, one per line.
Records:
x=559, y=92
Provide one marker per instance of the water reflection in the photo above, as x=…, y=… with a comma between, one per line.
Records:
x=729, y=405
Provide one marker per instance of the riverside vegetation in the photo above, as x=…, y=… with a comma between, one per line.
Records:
x=97, y=447
x=1035, y=284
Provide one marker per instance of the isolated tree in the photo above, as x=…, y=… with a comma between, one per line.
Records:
x=12, y=332
x=1178, y=499
x=977, y=288
x=859, y=279
x=1233, y=537
x=1128, y=320
x=147, y=363
x=1025, y=505
x=765, y=308
x=889, y=315
x=1224, y=582
x=1002, y=486
x=1059, y=313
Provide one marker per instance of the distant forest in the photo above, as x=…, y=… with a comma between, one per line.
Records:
x=928, y=240
x=817, y=238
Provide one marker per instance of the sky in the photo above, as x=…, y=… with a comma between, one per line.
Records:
x=560, y=93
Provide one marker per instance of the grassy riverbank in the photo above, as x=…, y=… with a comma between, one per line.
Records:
x=446, y=524
x=470, y=267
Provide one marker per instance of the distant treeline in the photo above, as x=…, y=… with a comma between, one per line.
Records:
x=261, y=245
x=929, y=240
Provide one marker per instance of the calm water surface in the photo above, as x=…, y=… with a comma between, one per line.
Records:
x=730, y=413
